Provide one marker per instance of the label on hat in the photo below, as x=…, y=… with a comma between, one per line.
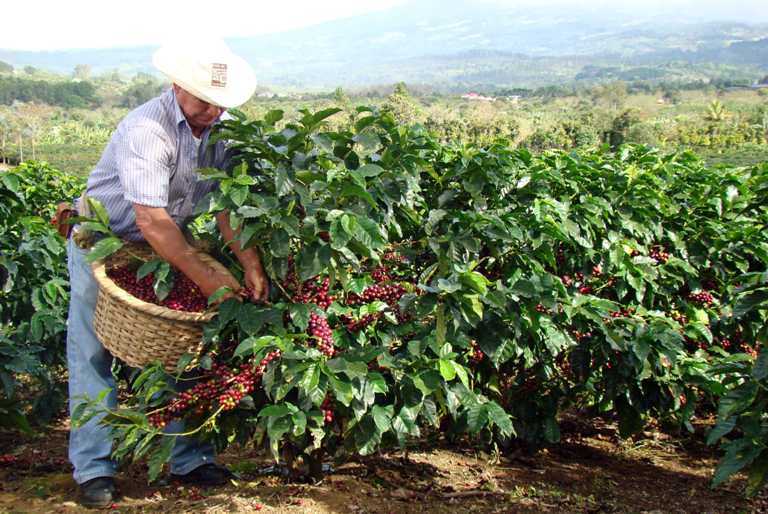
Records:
x=218, y=75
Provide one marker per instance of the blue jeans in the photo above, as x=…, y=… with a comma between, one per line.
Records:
x=90, y=373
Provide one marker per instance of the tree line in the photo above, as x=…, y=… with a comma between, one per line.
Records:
x=68, y=94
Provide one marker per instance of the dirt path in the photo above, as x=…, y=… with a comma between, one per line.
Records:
x=590, y=471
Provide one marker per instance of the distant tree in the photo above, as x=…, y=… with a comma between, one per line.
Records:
x=401, y=89
x=5, y=129
x=613, y=94
x=65, y=94
x=621, y=126
x=32, y=117
x=340, y=96
x=143, y=88
x=401, y=104
x=30, y=70
x=672, y=95
x=5, y=67
x=143, y=76
x=552, y=92
x=82, y=72
x=114, y=76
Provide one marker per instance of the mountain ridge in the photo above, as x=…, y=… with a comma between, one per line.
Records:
x=422, y=42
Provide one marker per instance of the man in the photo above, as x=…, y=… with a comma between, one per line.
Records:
x=148, y=182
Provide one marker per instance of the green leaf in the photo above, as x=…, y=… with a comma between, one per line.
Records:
x=737, y=400
x=447, y=370
x=313, y=260
x=98, y=210
x=310, y=379
x=341, y=390
x=163, y=281
x=404, y=424
x=461, y=372
x=147, y=268
x=280, y=244
x=477, y=417
x=273, y=116
x=501, y=419
x=277, y=427
x=238, y=195
x=758, y=473
x=760, y=369
x=721, y=429
x=472, y=308
x=367, y=437
x=356, y=191
x=370, y=170
x=184, y=361
x=325, y=113
x=218, y=295
x=283, y=183
x=252, y=345
x=300, y=314
x=160, y=457
x=104, y=248
x=94, y=227
x=475, y=281
x=427, y=382
x=11, y=181
x=252, y=317
x=749, y=302
x=275, y=411
x=229, y=308
x=739, y=454
x=698, y=330
x=299, y=420
x=382, y=416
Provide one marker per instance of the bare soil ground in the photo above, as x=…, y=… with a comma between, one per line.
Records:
x=592, y=470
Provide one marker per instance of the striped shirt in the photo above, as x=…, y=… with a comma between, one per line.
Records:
x=152, y=159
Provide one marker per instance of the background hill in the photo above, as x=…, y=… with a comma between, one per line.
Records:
x=465, y=42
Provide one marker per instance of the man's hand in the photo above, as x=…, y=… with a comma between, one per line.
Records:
x=255, y=278
x=258, y=284
x=212, y=280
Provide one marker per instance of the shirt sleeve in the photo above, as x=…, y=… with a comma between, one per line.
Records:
x=144, y=165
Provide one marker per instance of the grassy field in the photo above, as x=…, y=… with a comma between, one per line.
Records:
x=72, y=158
x=748, y=155
x=528, y=116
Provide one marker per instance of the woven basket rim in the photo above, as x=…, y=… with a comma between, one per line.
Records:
x=109, y=287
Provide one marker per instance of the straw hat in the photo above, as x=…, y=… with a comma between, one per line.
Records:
x=208, y=70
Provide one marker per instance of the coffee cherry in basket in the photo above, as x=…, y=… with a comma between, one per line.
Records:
x=185, y=295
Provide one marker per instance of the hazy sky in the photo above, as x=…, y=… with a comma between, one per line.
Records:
x=58, y=25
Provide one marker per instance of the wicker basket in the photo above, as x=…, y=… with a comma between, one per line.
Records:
x=138, y=332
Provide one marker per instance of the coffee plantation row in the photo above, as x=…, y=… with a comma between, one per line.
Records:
x=421, y=287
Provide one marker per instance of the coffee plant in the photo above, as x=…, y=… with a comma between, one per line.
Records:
x=34, y=291
x=479, y=291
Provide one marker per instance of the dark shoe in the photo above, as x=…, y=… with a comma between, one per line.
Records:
x=207, y=475
x=98, y=492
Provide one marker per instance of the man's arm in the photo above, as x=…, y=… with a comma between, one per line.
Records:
x=255, y=278
x=165, y=237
